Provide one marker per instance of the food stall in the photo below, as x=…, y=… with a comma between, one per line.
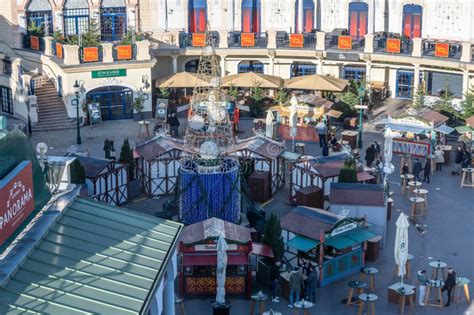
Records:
x=198, y=259
x=334, y=242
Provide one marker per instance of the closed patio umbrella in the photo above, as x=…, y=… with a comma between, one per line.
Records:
x=316, y=82
x=221, y=269
x=401, y=244
x=250, y=79
x=269, y=124
x=182, y=80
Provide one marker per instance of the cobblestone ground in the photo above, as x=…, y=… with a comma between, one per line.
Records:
x=450, y=225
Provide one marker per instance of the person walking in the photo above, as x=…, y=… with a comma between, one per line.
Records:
x=449, y=284
x=275, y=275
x=458, y=161
x=313, y=283
x=377, y=149
x=405, y=169
x=417, y=167
x=422, y=282
x=427, y=171
x=296, y=284
x=322, y=131
x=466, y=159
x=370, y=155
x=174, y=124
x=439, y=158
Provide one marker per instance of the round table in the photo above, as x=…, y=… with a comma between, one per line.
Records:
x=466, y=173
x=359, y=286
x=261, y=298
x=436, y=266
x=405, y=179
x=371, y=272
x=271, y=312
x=368, y=298
x=434, y=286
x=414, y=184
x=462, y=282
x=303, y=305
x=417, y=207
x=402, y=299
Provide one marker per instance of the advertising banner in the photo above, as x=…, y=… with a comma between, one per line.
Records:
x=124, y=52
x=393, y=45
x=247, y=39
x=415, y=149
x=296, y=40
x=59, y=50
x=442, y=50
x=90, y=54
x=344, y=42
x=34, y=43
x=17, y=199
x=199, y=39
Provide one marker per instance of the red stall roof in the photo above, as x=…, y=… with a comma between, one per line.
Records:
x=262, y=250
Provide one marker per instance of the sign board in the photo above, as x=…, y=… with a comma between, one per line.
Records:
x=343, y=229
x=109, y=73
x=34, y=43
x=342, y=56
x=161, y=111
x=17, y=199
x=90, y=54
x=344, y=42
x=59, y=50
x=199, y=40
x=212, y=247
x=296, y=40
x=413, y=148
x=442, y=50
x=94, y=113
x=124, y=52
x=393, y=45
x=361, y=106
x=247, y=39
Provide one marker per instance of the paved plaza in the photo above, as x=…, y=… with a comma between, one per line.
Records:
x=449, y=237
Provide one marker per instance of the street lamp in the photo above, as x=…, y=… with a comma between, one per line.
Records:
x=78, y=89
x=361, y=94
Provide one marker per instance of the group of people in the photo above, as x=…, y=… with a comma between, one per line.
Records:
x=448, y=286
x=372, y=153
x=462, y=160
x=172, y=122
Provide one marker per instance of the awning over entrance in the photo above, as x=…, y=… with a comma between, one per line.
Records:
x=361, y=235
x=302, y=243
x=351, y=238
x=444, y=129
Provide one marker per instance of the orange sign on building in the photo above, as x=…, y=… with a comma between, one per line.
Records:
x=393, y=45
x=59, y=50
x=442, y=50
x=247, y=39
x=124, y=52
x=344, y=42
x=34, y=43
x=199, y=39
x=90, y=54
x=296, y=40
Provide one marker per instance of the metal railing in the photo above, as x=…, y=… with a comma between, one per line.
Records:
x=283, y=40
x=380, y=44
x=260, y=40
x=428, y=49
x=332, y=42
x=132, y=56
x=82, y=58
x=186, y=39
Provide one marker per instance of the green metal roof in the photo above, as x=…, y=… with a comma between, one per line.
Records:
x=361, y=235
x=302, y=243
x=340, y=242
x=93, y=259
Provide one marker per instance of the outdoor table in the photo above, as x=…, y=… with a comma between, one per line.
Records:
x=407, y=266
x=462, y=282
x=402, y=298
x=466, y=173
x=414, y=184
x=271, y=312
x=417, y=207
x=436, y=266
x=394, y=297
x=359, y=285
x=420, y=192
x=368, y=298
x=371, y=272
x=261, y=298
x=303, y=305
x=434, y=286
x=405, y=178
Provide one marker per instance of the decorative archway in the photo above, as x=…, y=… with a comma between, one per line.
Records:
x=39, y=13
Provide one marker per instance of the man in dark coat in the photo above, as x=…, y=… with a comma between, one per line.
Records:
x=417, y=167
x=370, y=155
x=377, y=149
x=466, y=159
x=174, y=124
x=275, y=275
x=457, y=161
x=449, y=284
x=427, y=171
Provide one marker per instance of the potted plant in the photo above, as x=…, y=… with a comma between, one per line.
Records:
x=126, y=157
x=257, y=94
x=35, y=32
x=137, y=105
x=78, y=177
x=348, y=173
x=90, y=43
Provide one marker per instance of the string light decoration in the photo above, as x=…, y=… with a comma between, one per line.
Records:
x=209, y=181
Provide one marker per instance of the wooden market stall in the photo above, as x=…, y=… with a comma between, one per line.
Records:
x=157, y=163
x=265, y=157
x=198, y=259
x=106, y=180
x=318, y=236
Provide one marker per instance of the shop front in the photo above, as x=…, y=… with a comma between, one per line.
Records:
x=115, y=102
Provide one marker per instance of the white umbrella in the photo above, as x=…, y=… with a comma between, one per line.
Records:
x=388, y=151
x=269, y=124
x=401, y=244
x=221, y=269
x=293, y=115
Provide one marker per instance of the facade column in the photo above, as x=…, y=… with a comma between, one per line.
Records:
x=465, y=83
x=223, y=65
x=300, y=16
x=174, y=64
x=368, y=72
x=416, y=78
x=271, y=64
x=168, y=298
x=319, y=67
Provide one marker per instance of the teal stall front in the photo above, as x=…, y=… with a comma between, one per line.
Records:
x=341, y=266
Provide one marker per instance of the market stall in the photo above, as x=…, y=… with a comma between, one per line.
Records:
x=157, y=163
x=334, y=242
x=198, y=259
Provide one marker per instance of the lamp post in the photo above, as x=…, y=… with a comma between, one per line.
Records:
x=77, y=90
x=361, y=94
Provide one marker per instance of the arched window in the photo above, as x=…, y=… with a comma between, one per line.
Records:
x=251, y=16
x=355, y=73
x=250, y=66
x=299, y=69
x=358, y=17
x=39, y=13
x=113, y=19
x=308, y=16
x=76, y=17
x=6, y=101
x=191, y=66
x=197, y=16
x=412, y=15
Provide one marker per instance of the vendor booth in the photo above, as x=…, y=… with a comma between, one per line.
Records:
x=198, y=259
x=336, y=243
x=158, y=164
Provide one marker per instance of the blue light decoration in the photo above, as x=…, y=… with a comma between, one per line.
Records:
x=208, y=191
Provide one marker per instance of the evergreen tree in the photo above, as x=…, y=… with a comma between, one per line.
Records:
x=91, y=37
x=233, y=91
x=126, y=156
x=272, y=237
x=78, y=173
x=282, y=95
x=445, y=104
x=256, y=92
x=348, y=173
x=467, y=105
x=418, y=99
x=165, y=92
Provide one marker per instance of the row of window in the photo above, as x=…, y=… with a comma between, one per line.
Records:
x=6, y=101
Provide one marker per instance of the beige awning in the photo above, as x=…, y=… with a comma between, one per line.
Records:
x=316, y=82
x=182, y=80
x=334, y=113
x=250, y=79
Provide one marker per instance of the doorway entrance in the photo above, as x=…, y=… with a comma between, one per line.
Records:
x=115, y=102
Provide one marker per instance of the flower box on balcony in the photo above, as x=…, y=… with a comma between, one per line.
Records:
x=442, y=50
x=34, y=43
x=393, y=45
x=91, y=54
x=198, y=39
x=58, y=49
x=124, y=52
x=247, y=39
x=296, y=41
x=344, y=42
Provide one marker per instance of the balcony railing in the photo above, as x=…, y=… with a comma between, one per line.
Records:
x=337, y=40
x=90, y=54
x=297, y=41
x=124, y=52
x=247, y=40
x=392, y=44
x=33, y=42
x=196, y=39
x=441, y=49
